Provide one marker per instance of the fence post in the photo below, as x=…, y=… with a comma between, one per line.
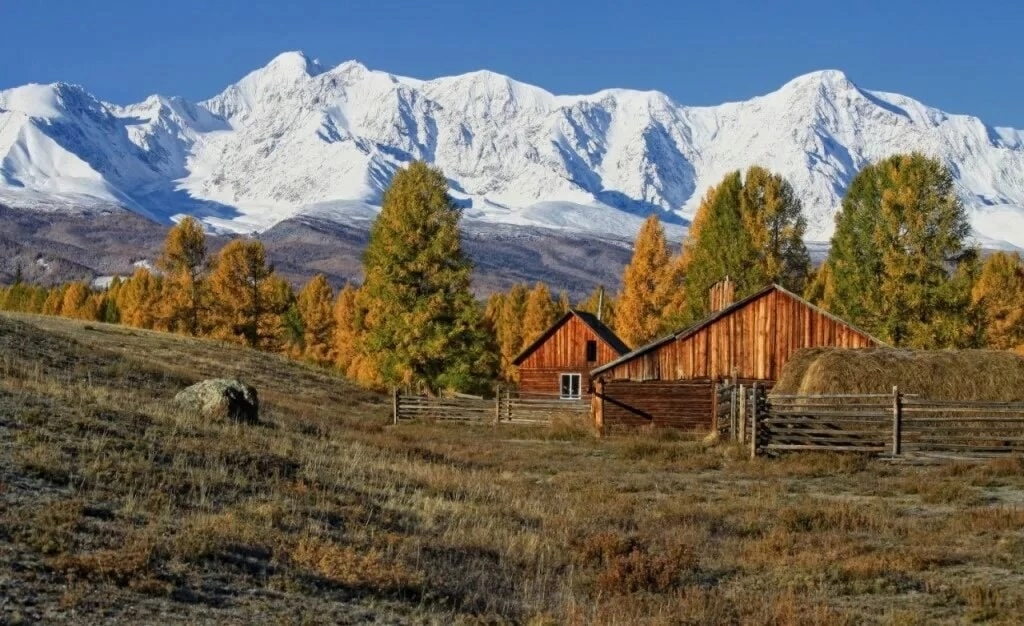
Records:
x=394, y=404
x=897, y=421
x=497, y=405
x=732, y=413
x=597, y=405
x=754, y=417
x=742, y=420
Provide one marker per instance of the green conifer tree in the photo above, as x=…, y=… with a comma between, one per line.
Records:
x=773, y=219
x=899, y=265
x=423, y=328
x=718, y=245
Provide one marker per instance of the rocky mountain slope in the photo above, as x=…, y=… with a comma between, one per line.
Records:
x=297, y=140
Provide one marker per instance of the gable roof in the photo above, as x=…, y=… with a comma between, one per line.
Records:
x=603, y=333
x=714, y=317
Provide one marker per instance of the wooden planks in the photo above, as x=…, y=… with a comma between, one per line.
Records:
x=677, y=404
x=751, y=340
x=564, y=352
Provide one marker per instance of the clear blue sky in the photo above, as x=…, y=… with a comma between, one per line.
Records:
x=960, y=57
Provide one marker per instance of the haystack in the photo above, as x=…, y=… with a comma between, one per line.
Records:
x=988, y=375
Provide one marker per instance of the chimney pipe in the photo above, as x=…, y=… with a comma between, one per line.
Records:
x=723, y=293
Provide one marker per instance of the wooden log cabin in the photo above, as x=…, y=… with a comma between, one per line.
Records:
x=671, y=382
x=560, y=360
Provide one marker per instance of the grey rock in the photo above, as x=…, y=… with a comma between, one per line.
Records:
x=221, y=398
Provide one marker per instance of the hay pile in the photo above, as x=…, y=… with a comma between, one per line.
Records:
x=990, y=375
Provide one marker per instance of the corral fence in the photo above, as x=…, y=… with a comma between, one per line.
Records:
x=735, y=408
x=507, y=407
x=891, y=424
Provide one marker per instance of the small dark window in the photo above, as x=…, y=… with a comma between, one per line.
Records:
x=570, y=386
x=591, y=351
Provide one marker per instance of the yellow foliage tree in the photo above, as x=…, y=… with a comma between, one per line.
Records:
x=138, y=297
x=539, y=314
x=183, y=263
x=247, y=301
x=78, y=303
x=314, y=305
x=348, y=335
x=640, y=305
x=54, y=300
x=999, y=296
x=505, y=313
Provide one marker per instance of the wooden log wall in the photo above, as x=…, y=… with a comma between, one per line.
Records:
x=753, y=341
x=678, y=404
x=564, y=352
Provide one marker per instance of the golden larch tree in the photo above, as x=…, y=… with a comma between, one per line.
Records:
x=641, y=302
x=183, y=263
x=315, y=307
x=539, y=314
x=138, y=298
x=247, y=301
x=999, y=297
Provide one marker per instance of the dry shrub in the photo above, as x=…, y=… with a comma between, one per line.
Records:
x=626, y=566
x=601, y=548
x=51, y=530
x=347, y=566
x=639, y=570
x=997, y=518
x=949, y=492
x=125, y=565
x=571, y=426
x=992, y=375
x=831, y=516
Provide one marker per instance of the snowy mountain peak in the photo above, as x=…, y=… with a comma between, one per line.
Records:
x=293, y=63
x=296, y=137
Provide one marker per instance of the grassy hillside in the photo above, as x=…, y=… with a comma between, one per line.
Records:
x=115, y=507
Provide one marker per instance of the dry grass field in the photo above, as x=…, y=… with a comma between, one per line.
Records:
x=117, y=508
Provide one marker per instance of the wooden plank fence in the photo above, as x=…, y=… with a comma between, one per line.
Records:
x=894, y=424
x=507, y=407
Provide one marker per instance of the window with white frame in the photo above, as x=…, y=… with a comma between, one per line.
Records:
x=570, y=386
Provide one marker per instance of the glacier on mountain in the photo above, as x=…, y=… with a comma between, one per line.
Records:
x=297, y=138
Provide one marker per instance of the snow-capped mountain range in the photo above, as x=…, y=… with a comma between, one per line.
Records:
x=296, y=138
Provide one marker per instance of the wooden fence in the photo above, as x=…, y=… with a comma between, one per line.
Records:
x=735, y=408
x=507, y=407
x=892, y=424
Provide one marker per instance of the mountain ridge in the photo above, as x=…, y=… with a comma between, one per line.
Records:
x=296, y=137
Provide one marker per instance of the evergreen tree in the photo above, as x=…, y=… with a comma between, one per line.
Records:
x=539, y=314
x=183, y=263
x=899, y=265
x=423, y=328
x=641, y=303
x=248, y=301
x=773, y=219
x=999, y=297
x=315, y=309
x=718, y=245
x=748, y=229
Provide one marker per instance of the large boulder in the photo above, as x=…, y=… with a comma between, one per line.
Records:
x=221, y=398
